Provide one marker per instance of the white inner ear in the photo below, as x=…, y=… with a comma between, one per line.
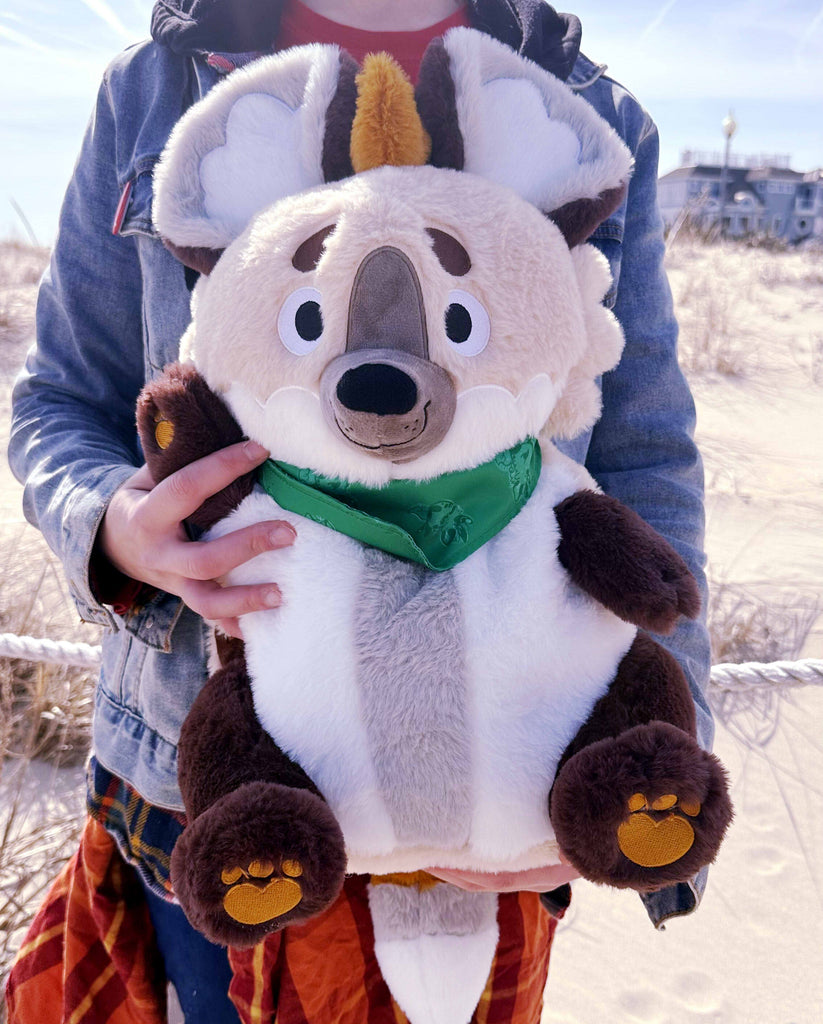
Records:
x=259, y=163
x=520, y=146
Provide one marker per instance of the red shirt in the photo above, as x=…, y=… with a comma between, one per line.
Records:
x=299, y=25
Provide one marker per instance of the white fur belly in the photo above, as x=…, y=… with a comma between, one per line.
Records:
x=303, y=666
x=538, y=655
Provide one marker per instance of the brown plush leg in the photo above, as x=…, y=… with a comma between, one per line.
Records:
x=262, y=849
x=636, y=803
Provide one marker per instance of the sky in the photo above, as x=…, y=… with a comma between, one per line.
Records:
x=688, y=61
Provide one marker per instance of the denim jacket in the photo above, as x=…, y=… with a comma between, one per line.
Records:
x=112, y=308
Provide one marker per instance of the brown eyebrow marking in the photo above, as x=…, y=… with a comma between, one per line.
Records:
x=309, y=252
x=453, y=257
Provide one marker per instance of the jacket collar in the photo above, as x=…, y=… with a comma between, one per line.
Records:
x=531, y=27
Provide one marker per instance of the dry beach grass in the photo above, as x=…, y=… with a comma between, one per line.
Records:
x=752, y=345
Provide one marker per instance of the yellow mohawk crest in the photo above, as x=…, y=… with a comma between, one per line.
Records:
x=387, y=128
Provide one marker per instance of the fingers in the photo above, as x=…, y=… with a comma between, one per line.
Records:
x=542, y=879
x=206, y=560
x=142, y=480
x=182, y=493
x=214, y=602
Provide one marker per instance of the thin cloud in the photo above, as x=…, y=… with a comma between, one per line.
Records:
x=657, y=20
x=815, y=23
x=806, y=37
x=26, y=42
x=106, y=14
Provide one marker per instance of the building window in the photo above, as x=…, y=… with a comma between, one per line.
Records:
x=777, y=225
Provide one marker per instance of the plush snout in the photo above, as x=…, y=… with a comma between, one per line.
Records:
x=384, y=395
x=389, y=403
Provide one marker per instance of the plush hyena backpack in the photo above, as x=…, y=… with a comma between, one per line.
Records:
x=397, y=301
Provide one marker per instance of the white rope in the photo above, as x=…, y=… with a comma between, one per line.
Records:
x=756, y=676
x=725, y=678
x=56, y=652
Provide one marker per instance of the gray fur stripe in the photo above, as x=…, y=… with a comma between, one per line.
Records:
x=405, y=912
x=409, y=637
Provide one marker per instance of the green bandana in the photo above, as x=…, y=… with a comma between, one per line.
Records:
x=436, y=522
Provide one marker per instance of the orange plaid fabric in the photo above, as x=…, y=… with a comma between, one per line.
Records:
x=89, y=957
x=325, y=972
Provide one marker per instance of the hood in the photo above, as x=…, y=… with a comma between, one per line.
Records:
x=531, y=27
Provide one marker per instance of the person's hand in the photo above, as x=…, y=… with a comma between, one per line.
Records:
x=143, y=536
x=542, y=879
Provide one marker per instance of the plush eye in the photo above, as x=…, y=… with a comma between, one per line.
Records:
x=300, y=323
x=467, y=324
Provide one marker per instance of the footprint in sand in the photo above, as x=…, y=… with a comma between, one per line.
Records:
x=697, y=992
x=766, y=860
x=644, y=1005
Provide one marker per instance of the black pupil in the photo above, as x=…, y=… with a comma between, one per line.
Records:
x=458, y=323
x=309, y=321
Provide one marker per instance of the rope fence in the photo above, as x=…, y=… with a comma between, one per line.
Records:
x=54, y=652
x=724, y=678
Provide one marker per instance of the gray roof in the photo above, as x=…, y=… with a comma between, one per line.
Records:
x=774, y=174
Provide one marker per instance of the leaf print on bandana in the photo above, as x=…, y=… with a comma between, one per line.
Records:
x=516, y=463
x=444, y=518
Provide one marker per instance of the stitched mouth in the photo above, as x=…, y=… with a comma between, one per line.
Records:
x=378, y=447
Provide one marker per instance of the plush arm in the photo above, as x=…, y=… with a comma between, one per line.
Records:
x=623, y=563
x=180, y=419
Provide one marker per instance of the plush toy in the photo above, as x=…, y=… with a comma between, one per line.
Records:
x=397, y=300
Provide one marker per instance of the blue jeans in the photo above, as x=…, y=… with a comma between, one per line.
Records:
x=198, y=969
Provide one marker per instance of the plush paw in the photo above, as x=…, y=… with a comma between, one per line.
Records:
x=180, y=419
x=262, y=857
x=644, y=810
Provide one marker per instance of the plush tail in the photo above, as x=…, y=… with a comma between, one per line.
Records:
x=434, y=943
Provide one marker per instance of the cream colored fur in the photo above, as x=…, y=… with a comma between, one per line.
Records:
x=524, y=128
x=549, y=332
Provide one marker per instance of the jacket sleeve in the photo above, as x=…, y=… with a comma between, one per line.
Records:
x=73, y=439
x=642, y=449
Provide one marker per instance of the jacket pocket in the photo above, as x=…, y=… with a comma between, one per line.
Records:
x=608, y=238
x=134, y=209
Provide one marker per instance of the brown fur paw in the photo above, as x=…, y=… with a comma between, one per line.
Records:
x=641, y=811
x=612, y=554
x=260, y=858
x=180, y=419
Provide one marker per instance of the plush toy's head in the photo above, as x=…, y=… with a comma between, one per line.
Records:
x=396, y=285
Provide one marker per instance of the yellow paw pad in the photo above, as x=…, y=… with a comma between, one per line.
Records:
x=651, y=842
x=164, y=433
x=255, y=897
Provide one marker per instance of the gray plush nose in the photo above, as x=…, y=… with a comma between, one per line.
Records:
x=386, y=305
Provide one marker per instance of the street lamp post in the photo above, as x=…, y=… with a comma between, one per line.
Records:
x=729, y=126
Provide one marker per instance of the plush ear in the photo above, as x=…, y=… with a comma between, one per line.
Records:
x=275, y=128
x=491, y=112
